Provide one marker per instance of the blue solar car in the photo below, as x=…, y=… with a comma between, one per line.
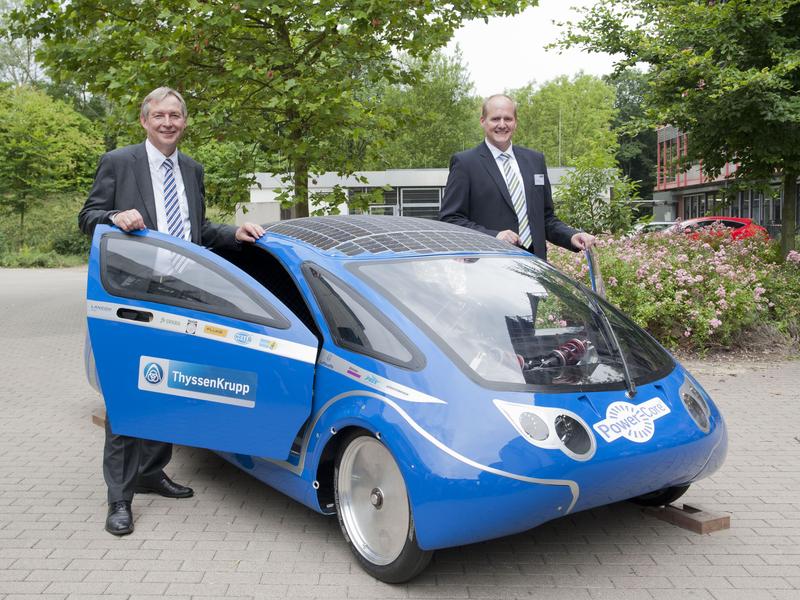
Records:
x=430, y=385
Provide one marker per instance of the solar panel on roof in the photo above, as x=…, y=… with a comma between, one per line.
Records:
x=353, y=235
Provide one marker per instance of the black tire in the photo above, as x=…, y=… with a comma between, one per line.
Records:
x=661, y=497
x=357, y=497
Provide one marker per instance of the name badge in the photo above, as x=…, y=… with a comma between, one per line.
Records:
x=538, y=179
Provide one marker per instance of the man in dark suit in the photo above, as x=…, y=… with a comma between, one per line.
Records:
x=504, y=191
x=151, y=185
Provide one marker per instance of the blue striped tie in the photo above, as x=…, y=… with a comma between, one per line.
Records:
x=175, y=224
x=518, y=199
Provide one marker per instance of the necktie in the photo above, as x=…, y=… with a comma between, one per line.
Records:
x=517, y=199
x=175, y=224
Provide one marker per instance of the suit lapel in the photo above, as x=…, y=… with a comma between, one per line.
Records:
x=193, y=197
x=141, y=172
x=490, y=164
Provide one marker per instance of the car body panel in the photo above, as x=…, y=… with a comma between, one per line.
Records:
x=215, y=381
x=470, y=473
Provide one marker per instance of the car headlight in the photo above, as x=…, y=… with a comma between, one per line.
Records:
x=550, y=428
x=696, y=405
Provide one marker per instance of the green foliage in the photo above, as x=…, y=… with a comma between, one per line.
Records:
x=293, y=77
x=60, y=235
x=698, y=294
x=28, y=258
x=229, y=172
x=71, y=240
x=636, y=155
x=425, y=123
x=725, y=72
x=596, y=200
x=569, y=120
x=45, y=148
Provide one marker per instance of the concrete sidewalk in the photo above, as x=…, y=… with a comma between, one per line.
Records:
x=238, y=538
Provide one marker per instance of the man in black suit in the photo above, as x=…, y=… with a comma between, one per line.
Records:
x=504, y=191
x=151, y=185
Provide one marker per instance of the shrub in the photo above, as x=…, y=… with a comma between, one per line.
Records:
x=696, y=293
x=71, y=241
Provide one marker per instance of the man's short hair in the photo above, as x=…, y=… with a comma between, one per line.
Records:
x=157, y=95
x=492, y=97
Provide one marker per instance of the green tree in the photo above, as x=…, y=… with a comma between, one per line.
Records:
x=229, y=168
x=637, y=140
x=727, y=73
x=18, y=64
x=428, y=121
x=45, y=147
x=596, y=199
x=290, y=76
x=568, y=119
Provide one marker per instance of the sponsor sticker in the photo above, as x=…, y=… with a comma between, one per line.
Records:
x=373, y=380
x=267, y=344
x=170, y=322
x=201, y=382
x=634, y=422
x=214, y=330
x=191, y=326
x=243, y=337
x=96, y=308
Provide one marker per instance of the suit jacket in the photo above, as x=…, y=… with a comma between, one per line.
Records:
x=476, y=196
x=123, y=182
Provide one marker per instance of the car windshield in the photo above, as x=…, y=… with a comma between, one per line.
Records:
x=515, y=321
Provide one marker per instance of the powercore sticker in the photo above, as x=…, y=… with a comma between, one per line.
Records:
x=201, y=382
x=635, y=422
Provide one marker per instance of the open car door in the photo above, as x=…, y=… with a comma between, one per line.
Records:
x=190, y=349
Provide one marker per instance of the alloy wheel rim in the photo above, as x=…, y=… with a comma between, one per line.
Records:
x=373, y=501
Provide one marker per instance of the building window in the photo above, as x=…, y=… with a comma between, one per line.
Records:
x=420, y=202
x=755, y=207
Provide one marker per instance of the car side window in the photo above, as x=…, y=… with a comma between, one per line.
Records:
x=358, y=326
x=732, y=224
x=154, y=271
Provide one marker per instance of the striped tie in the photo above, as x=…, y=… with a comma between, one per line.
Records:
x=175, y=224
x=518, y=199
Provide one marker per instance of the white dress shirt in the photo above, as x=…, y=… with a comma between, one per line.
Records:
x=157, y=172
x=496, y=152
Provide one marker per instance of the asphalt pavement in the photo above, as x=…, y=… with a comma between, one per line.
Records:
x=238, y=538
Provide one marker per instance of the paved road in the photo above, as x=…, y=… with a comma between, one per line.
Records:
x=238, y=538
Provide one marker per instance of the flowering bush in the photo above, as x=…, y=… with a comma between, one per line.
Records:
x=696, y=292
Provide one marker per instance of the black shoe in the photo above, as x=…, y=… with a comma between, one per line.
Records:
x=164, y=487
x=120, y=518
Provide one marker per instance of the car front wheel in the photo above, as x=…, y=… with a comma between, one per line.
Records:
x=661, y=497
x=374, y=512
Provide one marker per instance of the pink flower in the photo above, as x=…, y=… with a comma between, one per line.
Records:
x=715, y=323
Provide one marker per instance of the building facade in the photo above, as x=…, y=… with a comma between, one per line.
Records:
x=398, y=192
x=689, y=194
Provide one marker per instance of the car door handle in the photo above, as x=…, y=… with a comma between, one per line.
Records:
x=134, y=315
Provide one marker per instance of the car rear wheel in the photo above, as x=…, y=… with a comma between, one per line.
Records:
x=374, y=512
x=661, y=497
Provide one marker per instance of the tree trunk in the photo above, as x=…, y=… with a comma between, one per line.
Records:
x=300, y=180
x=788, y=212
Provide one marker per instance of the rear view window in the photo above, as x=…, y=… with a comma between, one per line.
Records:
x=357, y=325
x=154, y=271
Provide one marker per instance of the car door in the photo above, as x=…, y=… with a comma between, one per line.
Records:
x=190, y=349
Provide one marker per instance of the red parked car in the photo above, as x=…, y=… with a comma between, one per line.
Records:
x=740, y=227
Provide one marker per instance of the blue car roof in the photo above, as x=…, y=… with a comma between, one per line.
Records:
x=367, y=235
